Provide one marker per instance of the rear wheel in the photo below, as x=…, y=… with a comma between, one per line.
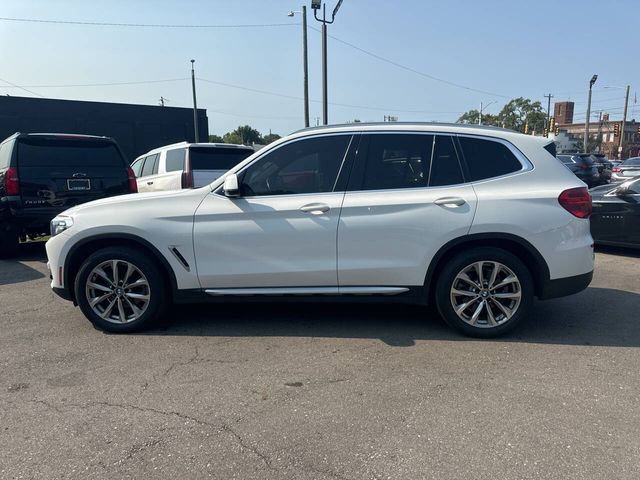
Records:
x=484, y=292
x=8, y=240
x=121, y=290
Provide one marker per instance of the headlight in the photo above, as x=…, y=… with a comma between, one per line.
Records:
x=60, y=224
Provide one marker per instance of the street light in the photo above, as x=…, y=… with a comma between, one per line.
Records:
x=483, y=108
x=586, y=123
x=305, y=61
x=315, y=5
x=195, y=106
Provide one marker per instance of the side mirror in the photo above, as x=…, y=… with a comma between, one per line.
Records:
x=230, y=187
x=622, y=191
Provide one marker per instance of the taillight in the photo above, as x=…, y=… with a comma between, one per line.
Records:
x=616, y=169
x=187, y=180
x=576, y=201
x=131, y=177
x=11, y=182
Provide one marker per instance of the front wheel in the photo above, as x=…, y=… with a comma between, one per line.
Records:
x=121, y=290
x=484, y=292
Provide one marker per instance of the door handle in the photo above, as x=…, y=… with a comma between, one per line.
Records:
x=149, y=183
x=315, y=208
x=450, y=202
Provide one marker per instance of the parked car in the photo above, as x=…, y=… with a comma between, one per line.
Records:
x=478, y=220
x=603, y=165
x=616, y=214
x=42, y=174
x=629, y=168
x=186, y=165
x=583, y=167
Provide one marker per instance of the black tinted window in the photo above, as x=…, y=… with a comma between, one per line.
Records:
x=488, y=158
x=150, y=165
x=175, y=160
x=305, y=166
x=208, y=158
x=397, y=161
x=445, y=167
x=69, y=153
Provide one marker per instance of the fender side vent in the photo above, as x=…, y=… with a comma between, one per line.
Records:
x=181, y=259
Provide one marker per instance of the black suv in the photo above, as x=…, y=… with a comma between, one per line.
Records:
x=43, y=174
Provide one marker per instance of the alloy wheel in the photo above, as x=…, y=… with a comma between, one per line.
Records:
x=486, y=294
x=117, y=291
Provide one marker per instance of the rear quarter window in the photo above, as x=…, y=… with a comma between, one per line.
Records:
x=5, y=154
x=488, y=158
x=69, y=153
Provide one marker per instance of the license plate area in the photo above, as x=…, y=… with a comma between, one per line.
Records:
x=76, y=184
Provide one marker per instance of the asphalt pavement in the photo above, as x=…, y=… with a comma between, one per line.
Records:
x=321, y=391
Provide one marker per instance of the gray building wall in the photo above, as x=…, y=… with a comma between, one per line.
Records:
x=136, y=128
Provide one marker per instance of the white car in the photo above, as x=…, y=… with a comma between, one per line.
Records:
x=478, y=220
x=186, y=165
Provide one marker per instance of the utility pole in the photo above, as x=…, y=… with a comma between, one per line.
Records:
x=315, y=5
x=305, y=61
x=586, y=122
x=195, y=105
x=600, y=132
x=624, y=122
x=548, y=97
x=480, y=116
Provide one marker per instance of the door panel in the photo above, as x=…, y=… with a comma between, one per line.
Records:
x=267, y=241
x=388, y=238
x=406, y=199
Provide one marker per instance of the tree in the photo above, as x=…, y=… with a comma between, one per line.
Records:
x=270, y=138
x=514, y=115
x=215, y=139
x=521, y=111
x=243, y=135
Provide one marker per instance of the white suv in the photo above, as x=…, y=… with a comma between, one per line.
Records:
x=186, y=165
x=478, y=220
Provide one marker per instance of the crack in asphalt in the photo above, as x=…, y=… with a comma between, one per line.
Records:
x=169, y=413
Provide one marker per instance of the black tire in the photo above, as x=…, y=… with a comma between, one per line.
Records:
x=9, y=240
x=456, y=265
x=158, y=291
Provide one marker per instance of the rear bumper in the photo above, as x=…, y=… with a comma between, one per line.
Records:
x=561, y=287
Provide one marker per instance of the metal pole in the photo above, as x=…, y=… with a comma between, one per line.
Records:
x=548, y=97
x=624, y=122
x=306, y=66
x=586, y=123
x=325, y=108
x=195, y=105
x=480, y=116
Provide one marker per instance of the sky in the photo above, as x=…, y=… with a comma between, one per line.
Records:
x=427, y=60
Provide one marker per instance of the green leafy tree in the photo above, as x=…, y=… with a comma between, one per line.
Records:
x=216, y=139
x=244, y=135
x=521, y=111
x=270, y=138
x=471, y=117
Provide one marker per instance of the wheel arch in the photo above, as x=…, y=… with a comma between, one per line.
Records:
x=84, y=247
x=518, y=246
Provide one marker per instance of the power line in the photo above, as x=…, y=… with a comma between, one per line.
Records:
x=141, y=82
x=293, y=97
x=150, y=25
x=412, y=70
x=21, y=88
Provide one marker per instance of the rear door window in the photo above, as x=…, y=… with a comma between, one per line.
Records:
x=210, y=158
x=175, y=160
x=150, y=165
x=488, y=158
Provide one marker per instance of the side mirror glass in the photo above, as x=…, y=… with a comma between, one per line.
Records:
x=230, y=187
